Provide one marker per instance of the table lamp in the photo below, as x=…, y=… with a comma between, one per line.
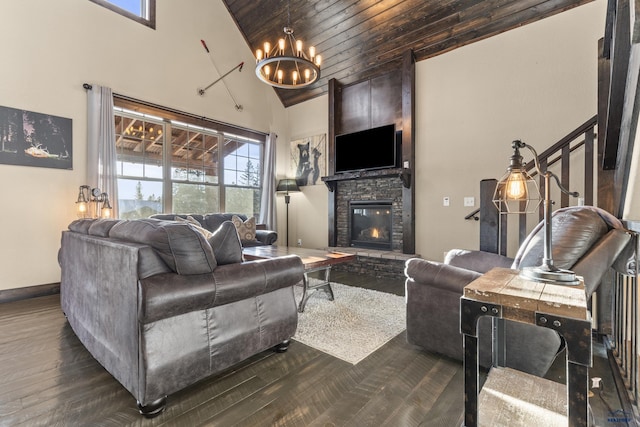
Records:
x=515, y=193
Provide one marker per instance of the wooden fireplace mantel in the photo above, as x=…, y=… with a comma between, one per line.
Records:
x=403, y=174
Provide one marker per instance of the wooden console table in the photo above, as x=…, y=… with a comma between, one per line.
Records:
x=502, y=293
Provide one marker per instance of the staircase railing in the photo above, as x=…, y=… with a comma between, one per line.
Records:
x=623, y=338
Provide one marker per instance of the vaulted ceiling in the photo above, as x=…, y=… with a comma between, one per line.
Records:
x=361, y=39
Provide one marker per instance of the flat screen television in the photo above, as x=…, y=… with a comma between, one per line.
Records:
x=369, y=149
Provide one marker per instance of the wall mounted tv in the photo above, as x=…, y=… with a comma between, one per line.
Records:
x=376, y=148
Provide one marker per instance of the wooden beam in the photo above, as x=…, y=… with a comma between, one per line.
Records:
x=605, y=177
x=490, y=239
x=335, y=112
x=408, y=152
x=628, y=128
x=619, y=69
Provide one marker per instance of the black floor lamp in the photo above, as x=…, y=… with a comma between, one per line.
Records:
x=287, y=186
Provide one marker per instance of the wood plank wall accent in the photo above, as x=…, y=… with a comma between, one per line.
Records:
x=618, y=102
x=605, y=177
x=408, y=151
x=389, y=98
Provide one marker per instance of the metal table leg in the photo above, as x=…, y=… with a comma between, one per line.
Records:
x=577, y=335
x=470, y=312
x=306, y=287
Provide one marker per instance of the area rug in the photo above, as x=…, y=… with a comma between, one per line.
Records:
x=357, y=323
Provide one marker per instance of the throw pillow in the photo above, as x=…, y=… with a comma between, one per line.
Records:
x=226, y=245
x=246, y=229
x=194, y=222
x=180, y=246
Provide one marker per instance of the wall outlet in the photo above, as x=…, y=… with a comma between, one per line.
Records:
x=445, y=201
x=469, y=201
x=299, y=242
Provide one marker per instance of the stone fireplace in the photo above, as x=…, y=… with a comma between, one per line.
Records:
x=363, y=205
x=370, y=223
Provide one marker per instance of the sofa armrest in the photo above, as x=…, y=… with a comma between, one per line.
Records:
x=169, y=294
x=267, y=237
x=478, y=261
x=443, y=276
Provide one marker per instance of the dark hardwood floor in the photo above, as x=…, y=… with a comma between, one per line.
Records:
x=47, y=378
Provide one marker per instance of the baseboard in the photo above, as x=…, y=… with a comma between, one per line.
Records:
x=9, y=295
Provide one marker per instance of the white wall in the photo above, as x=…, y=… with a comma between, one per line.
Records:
x=535, y=83
x=50, y=48
x=308, y=210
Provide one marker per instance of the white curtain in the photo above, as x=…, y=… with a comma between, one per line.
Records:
x=101, y=144
x=268, y=202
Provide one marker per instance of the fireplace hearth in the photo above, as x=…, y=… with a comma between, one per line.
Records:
x=371, y=224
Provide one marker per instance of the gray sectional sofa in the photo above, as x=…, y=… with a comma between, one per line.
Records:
x=162, y=306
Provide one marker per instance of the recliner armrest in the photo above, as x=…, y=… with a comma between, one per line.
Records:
x=478, y=261
x=447, y=277
x=593, y=265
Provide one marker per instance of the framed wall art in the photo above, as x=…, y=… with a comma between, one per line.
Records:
x=308, y=159
x=35, y=139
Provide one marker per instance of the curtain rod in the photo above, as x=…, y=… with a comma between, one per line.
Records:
x=88, y=86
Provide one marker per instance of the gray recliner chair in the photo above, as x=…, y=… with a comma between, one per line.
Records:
x=585, y=239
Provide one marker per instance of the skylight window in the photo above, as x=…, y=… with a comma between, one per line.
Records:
x=142, y=11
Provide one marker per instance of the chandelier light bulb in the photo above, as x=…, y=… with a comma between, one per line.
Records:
x=281, y=46
x=312, y=52
x=280, y=75
x=267, y=71
x=318, y=60
x=258, y=55
x=267, y=49
x=307, y=74
x=295, y=77
x=299, y=47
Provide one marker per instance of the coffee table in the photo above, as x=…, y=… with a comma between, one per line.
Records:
x=312, y=259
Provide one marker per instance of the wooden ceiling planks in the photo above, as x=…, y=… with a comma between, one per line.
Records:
x=363, y=39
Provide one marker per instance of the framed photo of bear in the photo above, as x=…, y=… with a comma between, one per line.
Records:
x=308, y=159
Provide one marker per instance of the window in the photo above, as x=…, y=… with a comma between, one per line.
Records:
x=142, y=11
x=169, y=165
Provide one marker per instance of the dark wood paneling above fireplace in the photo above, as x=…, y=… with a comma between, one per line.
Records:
x=364, y=105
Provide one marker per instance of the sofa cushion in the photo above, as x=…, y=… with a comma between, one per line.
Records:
x=180, y=245
x=196, y=224
x=172, y=217
x=101, y=227
x=573, y=232
x=213, y=221
x=81, y=225
x=246, y=229
x=226, y=245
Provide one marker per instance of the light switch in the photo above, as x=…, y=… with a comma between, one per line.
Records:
x=445, y=201
x=469, y=201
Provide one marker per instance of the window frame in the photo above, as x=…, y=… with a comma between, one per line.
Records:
x=149, y=21
x=176, y=118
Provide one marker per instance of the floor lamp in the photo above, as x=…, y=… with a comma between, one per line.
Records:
x=287, y=186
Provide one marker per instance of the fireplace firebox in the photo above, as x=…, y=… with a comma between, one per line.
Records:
x=371, y=224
